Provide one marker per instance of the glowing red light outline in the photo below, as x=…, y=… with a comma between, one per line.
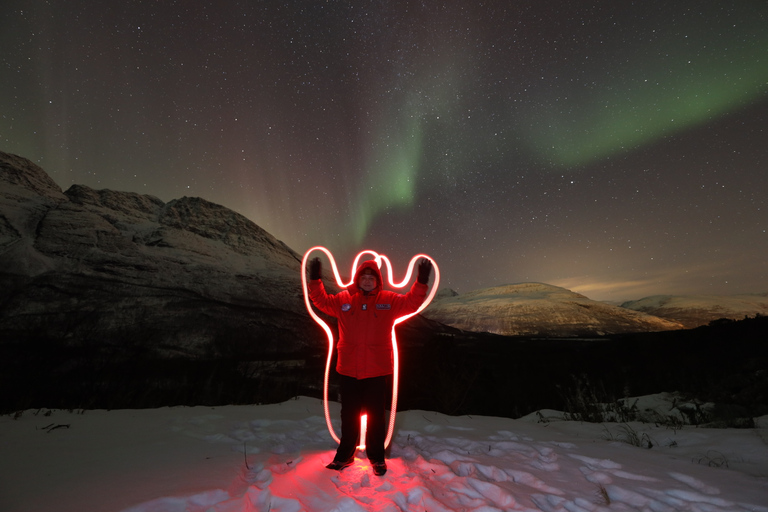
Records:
x=363, y=430
x=379, y=259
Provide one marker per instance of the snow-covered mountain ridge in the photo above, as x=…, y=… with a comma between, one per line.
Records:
x=537, y=309
x=187, y=277
x=695, y=310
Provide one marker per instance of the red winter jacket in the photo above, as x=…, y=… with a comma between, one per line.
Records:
x=365, y=322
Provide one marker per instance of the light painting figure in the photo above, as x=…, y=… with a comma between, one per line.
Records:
x=367, y=347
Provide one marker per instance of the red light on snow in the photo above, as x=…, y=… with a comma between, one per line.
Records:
x=379, y=259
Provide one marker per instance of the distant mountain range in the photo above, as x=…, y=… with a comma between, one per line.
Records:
x=120, y=300
x=536, y=309
x=695, y=310
x=190, y=278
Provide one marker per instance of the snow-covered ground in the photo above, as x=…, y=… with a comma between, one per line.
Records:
x=272, y=457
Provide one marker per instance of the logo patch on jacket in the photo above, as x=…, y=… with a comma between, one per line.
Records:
x=383, y=306
x=346, y=306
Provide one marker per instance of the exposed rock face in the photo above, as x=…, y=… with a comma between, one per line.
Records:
x=26, y=196
x=187, y=277
x=535, y=309
x=695, y=310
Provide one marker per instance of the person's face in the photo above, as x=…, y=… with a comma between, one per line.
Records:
x=367, y=282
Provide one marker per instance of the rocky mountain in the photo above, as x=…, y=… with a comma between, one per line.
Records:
x=536, y=309
x=695, y=310
x=185, y=278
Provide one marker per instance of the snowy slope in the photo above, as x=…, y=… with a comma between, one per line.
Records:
x=271, y=458
x=538, y=309
x=695, y=310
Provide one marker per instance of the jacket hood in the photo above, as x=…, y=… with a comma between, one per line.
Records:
x=371, y=264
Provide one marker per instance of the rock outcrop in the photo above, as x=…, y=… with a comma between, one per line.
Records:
x=187, y=277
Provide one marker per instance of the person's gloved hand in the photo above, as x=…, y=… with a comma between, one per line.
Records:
x=315, y=269
x=425, y=268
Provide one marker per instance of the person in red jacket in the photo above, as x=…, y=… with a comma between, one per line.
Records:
x=366, y=313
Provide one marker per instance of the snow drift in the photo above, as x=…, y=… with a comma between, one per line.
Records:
x=271, y=458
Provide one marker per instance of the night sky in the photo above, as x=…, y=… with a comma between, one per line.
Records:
x=616, y=148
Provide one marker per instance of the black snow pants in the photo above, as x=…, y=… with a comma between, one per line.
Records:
x=358, y=397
